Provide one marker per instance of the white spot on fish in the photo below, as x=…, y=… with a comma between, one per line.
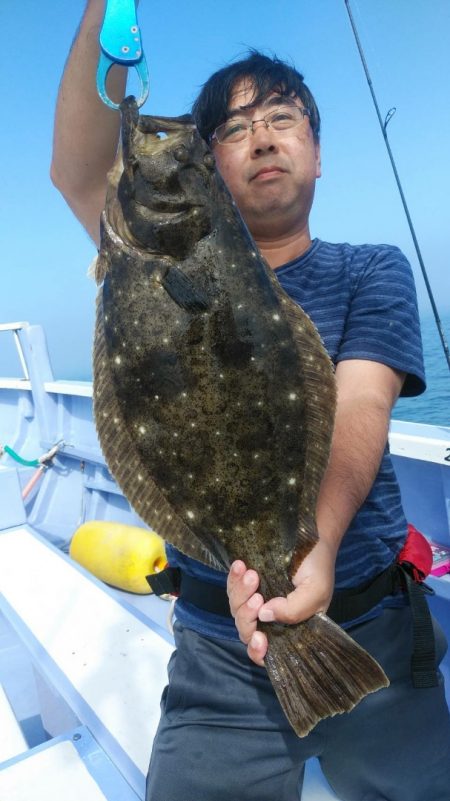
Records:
x=168, y=517
x=118, y=360
x=175, y=433
x=156, y=397
x=193, y=425
x=190, y=515
x=140, y=477
x=165, y=340
x=275, y=317
x=292, y=396
x=292, y=481
x=142, y=429
x=116, y=420
x=256, y=455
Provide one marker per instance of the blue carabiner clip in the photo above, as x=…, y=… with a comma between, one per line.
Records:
x=120, y=43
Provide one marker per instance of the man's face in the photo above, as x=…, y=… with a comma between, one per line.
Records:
x=270, y=175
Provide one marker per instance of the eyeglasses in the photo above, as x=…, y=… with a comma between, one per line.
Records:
x=281, y=119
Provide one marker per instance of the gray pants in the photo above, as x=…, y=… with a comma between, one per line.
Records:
x=224, y=737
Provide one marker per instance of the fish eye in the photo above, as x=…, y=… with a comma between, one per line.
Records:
x=181, y=154
x=209, y=161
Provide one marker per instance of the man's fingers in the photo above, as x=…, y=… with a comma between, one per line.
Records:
x=257, y=648
x=246, y=617
x=297, y=606
x=245, y=604
x=242, y=584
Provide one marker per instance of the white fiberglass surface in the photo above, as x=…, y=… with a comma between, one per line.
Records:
x=53, y=774
x=12, y=741
x=113, y=660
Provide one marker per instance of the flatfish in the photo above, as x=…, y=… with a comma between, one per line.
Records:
x=214, y=397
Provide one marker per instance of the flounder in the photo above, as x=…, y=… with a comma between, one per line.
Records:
x=214, y=397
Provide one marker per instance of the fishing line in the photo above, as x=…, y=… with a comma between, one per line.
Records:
x=383, y=126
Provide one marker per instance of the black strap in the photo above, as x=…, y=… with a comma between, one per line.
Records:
x=357, y=601
x=423, y=659
x=206, y=596
x=345, y=604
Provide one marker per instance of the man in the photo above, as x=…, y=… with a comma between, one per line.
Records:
x=222, y=732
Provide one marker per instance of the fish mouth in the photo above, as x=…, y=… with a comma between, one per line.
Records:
x=171, y=206
x=173, y=211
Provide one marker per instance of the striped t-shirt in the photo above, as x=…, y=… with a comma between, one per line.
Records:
x=362, y=300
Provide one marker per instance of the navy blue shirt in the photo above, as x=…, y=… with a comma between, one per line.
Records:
x=362, y=300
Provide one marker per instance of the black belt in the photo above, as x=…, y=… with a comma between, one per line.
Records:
x=346, y=605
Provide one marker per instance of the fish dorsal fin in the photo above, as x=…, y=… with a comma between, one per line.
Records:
x=320, y=398
x=127, y=465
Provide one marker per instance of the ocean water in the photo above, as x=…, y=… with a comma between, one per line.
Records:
x=433, y=406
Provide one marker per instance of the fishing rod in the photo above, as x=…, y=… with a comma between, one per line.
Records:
x=383, y=126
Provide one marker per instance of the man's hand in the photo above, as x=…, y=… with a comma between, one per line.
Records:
x=313, y=588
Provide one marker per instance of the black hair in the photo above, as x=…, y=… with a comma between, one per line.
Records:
x=266, y=74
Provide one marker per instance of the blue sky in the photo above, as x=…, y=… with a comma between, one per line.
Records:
x=45, y=252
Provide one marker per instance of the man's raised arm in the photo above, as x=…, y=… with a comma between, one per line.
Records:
x=86, y=131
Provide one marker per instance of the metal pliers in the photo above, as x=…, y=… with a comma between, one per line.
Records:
x=120, y=43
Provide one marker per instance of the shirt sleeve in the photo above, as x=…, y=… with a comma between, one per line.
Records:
x=383, y=321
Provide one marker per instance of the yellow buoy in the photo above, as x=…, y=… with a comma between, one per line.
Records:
x=118, y=554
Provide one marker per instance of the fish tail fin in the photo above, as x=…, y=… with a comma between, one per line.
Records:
x=318, y=671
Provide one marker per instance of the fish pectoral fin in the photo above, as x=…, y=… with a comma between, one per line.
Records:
x=183, y=291
x=318, y=671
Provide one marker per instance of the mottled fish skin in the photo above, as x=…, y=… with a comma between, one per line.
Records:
x=214, y=397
